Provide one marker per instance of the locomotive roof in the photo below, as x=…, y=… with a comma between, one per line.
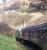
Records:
x=37, y=27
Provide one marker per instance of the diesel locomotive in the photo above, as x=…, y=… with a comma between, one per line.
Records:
x=36, y=34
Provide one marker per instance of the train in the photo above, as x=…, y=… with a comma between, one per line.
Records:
x=36, y=34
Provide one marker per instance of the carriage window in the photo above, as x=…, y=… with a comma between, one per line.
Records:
x=25, y=33
x=36, y=34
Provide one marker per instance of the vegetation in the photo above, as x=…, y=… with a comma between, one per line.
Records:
x=9, y=43
x=16, y=18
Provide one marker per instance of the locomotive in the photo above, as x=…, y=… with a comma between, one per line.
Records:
x=36, y=34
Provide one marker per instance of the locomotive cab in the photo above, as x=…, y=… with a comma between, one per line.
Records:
x=19, y=33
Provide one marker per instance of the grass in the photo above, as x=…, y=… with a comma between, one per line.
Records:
x=9, y=43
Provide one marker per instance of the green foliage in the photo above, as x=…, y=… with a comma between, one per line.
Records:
x=8, y=43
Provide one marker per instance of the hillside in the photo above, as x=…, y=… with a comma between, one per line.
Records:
x=13, y=19
x=18, y=18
